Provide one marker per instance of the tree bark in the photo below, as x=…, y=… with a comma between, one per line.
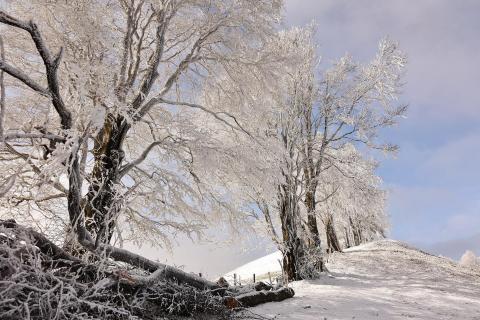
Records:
x=357, y=237
x=312, y=219
x=347, y=238
x=293, y=247
x=332, y=239
x=100, y=204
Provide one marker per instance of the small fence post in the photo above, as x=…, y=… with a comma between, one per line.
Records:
x=234, y=279
x=254, y=278
x=200, y=274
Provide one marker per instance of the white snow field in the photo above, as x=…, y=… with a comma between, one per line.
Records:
x=269, y=263
x=382, y=280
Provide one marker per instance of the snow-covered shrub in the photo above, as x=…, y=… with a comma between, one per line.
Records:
x=469, y=259
x=310, y=266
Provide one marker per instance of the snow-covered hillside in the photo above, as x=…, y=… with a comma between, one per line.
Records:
x=269, y=263
x=382, y=280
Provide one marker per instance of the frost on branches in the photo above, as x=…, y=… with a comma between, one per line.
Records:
x=135, y=120
x=130, y=121
x=328, y=125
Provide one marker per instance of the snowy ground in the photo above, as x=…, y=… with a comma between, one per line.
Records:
x=383, y=280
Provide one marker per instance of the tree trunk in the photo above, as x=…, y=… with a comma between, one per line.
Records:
x=292, y=245
x=312, y=220
x=290, y=252
x=310, y=176
x=332, y=239
x=100, y=203
x=357, y=237
x=347, y=238
x=290, y=262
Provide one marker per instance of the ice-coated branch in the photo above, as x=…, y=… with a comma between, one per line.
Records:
x=126, y=168
x=152, y=73
x=50, y=62
x=20, y=135
x=216, y=115
x=57, y=185
x=191, y=57
x=18, y=74
x=7, y=185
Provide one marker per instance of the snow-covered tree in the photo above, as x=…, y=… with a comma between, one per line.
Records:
x=353, y=209
x=354, y=102
x=281, y=208
x=469, y=259
x=121, y=117
x=325, y=114
x=136, y=119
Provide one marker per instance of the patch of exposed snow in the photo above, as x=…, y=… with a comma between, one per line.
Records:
x=269, y=263
x=385, y=280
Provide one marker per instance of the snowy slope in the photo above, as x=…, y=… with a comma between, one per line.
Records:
x=382, y=280
x=269, y=263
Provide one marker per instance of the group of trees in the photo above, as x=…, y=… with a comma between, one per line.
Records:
x=328, y=124
x=133, y=120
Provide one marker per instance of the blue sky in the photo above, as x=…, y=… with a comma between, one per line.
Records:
x=435, y=179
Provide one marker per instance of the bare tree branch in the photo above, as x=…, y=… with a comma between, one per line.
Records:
x=35, y=168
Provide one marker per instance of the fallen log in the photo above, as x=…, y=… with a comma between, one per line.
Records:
x=161, y=285
x=159, y=271
x=40, y=280
x=255, y=298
